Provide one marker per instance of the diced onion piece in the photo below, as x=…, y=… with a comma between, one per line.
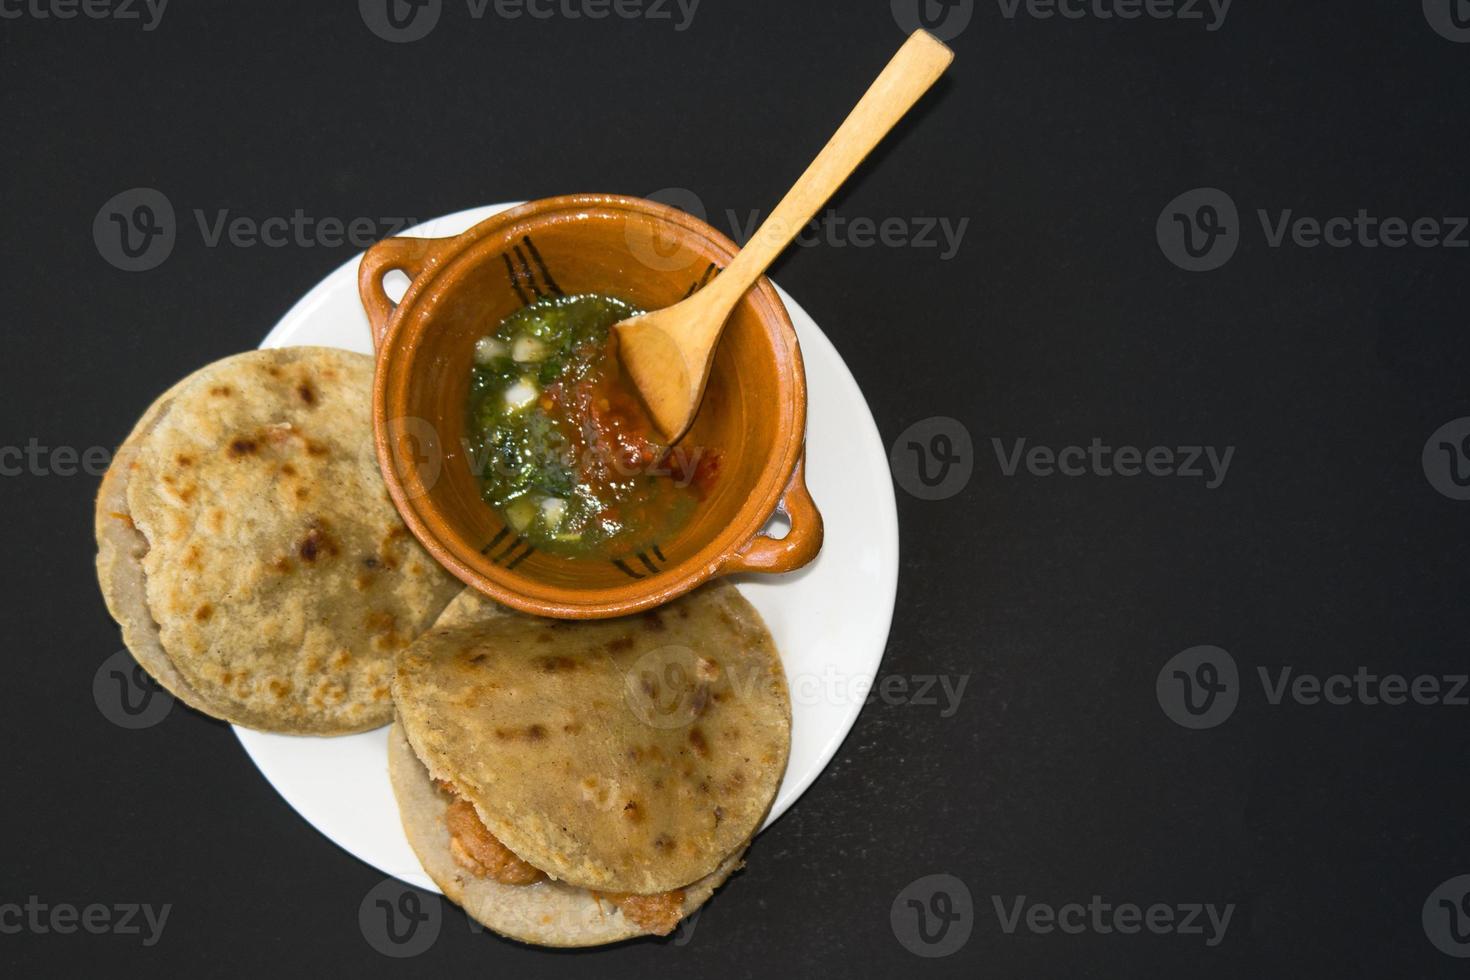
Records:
x=520, y=513
x=488, y=349
x=528, y=350
x=553, y=509
x=521, y=394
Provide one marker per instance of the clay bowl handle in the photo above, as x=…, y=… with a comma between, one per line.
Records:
x=776, y=555
x=411, y=256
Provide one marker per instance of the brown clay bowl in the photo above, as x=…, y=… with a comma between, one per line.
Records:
x=651, y=255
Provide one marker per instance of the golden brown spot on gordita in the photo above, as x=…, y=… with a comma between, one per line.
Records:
x=317, y=543
x=380, y=622
x=555, y=665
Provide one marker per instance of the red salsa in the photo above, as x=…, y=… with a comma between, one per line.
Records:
x=561, y=444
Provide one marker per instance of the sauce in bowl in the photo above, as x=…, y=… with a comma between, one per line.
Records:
x=561, y=444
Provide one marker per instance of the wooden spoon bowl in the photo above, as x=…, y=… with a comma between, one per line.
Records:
x=651, y=255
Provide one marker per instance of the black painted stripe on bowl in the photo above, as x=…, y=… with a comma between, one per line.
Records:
x=659, y=555
x=515, y=280
x=495, y=540
x=646, y=563
x=541, y=264
x=695, y=287
x=526, y=271
x=625, y=569
x=521, y=557
x=496, y=560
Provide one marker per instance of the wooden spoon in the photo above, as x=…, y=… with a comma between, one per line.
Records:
x=668, y=352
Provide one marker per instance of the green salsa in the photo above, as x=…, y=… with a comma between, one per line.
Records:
x=562, y=447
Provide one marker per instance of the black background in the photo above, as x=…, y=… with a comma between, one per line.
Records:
x=1058, y=777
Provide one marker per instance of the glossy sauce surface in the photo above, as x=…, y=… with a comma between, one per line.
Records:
x=561, y=444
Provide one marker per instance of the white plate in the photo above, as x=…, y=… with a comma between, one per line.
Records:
x=830, y=620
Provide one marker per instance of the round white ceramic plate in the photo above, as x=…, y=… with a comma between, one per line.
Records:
x=830, y=620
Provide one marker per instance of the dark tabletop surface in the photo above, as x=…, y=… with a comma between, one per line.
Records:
x=1125, y=271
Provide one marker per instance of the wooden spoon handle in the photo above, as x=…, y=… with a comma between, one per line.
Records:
x=910, y=74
